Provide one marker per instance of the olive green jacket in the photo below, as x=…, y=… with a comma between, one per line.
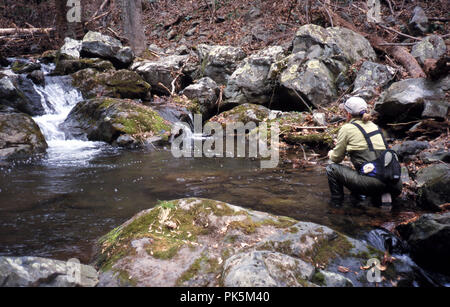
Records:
x=350, y=140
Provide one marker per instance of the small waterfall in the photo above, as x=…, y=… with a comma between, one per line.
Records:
x=58, y=97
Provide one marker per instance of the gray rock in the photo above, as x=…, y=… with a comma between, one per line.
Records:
x=219, y=62
x=250, y=82
x=433, y=184
x=20, y=136
x=70, y=66
x=429, y=239
x=190, y=32
x=37, y=77
x=24, y=67
x=265, y=269
x=431, y=47
x=95, y=44
x=412, y=99
x=161, y=71
x=244, y=113
x=408, y=148
x=340, y=43
x=370, y=77
x=20, y=94
x=71, y=48
x=438, y=155
x=419, y=22
x=204, y=94
x=331, y=279
x=311, y=79
x=42, y=272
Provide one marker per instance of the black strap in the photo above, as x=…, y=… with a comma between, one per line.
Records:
x=367, y=136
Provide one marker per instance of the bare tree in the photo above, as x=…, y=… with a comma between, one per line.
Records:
x=132, y=24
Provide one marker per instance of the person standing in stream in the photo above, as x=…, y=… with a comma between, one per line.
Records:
x=363, y=141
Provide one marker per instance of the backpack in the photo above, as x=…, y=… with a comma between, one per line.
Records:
x=386, y=167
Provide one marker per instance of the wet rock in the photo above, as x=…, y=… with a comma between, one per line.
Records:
x=42, y=272
x=20, y=136
x=250, y=82
x=70, y=66
x=71, y=48
x=219, y=62
x=433, y=184
x=202, y=242
x=162, y=71
x=37, y=77
x=20, y=94
x=117, y=84
x=95, y=45
x=4, y=62
x=24, y=67
x=410, y=148
x=336, y=42
x=370, y=78
x=106, y=119
x=312, y=80
x=245, y=113
x=412, y=99
x=49, y=56
x=429, y=239
x=431, y=47
x=204, y=94
x=418, y=24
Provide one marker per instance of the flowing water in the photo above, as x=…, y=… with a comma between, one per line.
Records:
x=58, y=206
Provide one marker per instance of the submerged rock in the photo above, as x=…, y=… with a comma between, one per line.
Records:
x=201, y=242
x=219, y=62
x=20, y=136
x=429, y=239
x=42, y=272
x=433, y=184
x=106, y=119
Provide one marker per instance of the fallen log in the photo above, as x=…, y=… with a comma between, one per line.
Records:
x=32, y=31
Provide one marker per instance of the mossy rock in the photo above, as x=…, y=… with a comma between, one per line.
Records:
x=202, y=242
x=116, y=84
x=245, y=113
x=106, y=119
x=66, y=65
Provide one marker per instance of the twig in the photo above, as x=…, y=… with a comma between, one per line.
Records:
x=397, y=44
x=399, y=33
x=402, y=124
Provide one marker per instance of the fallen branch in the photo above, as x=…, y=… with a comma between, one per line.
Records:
x=12, y=31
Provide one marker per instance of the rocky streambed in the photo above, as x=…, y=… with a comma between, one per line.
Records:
x=72, y=119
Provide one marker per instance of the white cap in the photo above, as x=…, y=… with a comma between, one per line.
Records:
x=354, y=106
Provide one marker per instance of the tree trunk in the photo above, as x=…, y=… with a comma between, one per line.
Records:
x=132, y=25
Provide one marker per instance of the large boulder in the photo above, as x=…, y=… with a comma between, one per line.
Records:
x=336, y=42
x=42, y=272
x=19, y=93
x=117, y=84
x=372, y=77
x=97, y=45
x=429, y=239
x=202, y=242
x=412, y=99
x=250, y=82
x=204, y=95
x=307, y=82
x=20, y=136
x=433, y=184
x=163, y=71
x=219, y=62
x=108, y=119
x=431, y=47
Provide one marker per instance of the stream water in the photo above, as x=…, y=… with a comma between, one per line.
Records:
x=58, y=206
